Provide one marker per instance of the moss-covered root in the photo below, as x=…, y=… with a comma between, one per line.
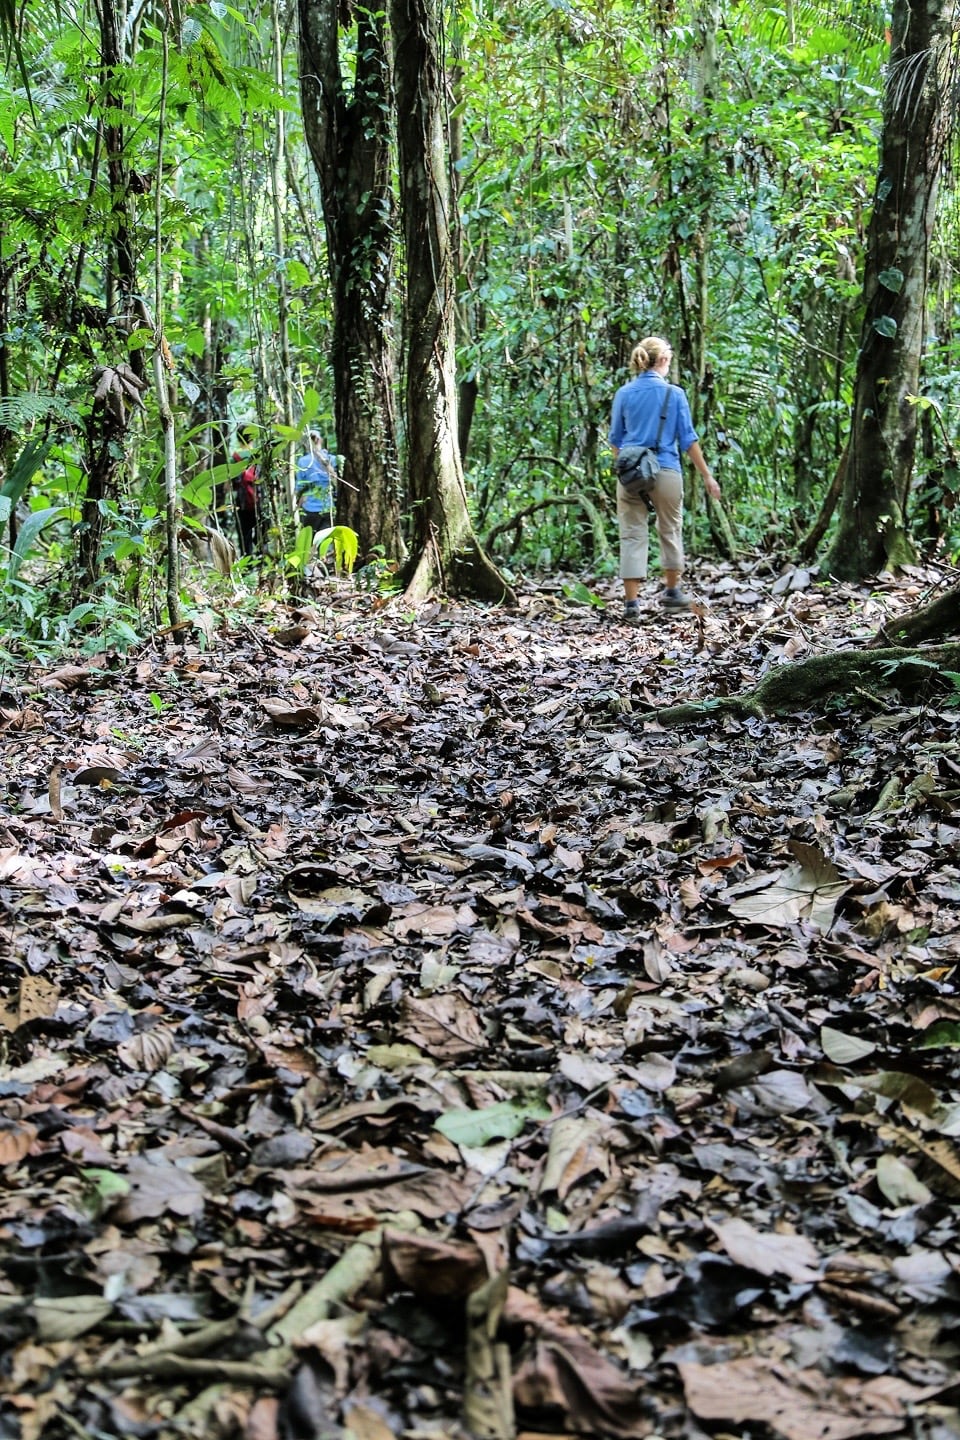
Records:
x=929, y=622
x=844, y=673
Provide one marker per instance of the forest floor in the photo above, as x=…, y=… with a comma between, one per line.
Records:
x=405, y=1034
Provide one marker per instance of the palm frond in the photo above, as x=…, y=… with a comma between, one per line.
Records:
x=10, y=37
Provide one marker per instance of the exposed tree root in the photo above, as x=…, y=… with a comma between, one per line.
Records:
x=844, y=673
x=941, y=617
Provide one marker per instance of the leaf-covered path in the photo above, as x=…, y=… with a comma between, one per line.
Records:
x=404, y=1035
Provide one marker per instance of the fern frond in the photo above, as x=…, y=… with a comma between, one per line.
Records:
x=19, y=411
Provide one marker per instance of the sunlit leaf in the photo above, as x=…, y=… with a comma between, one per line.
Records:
x=502, y=1121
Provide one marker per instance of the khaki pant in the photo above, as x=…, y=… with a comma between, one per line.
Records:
x=633, y=520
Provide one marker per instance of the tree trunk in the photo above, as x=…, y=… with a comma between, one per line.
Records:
x=278, y=201
x=446, y=550
x=161, y=359
x=349, y=142
x=872, y=532
x=107, y=424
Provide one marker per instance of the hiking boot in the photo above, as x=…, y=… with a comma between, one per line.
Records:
x=631, y=612
x=673, y=598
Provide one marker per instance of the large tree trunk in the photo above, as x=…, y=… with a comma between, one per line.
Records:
x=446, y=551
x=872, y=531
x=349, y=142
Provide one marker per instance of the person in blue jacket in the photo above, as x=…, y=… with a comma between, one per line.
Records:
x=634, y=421
x=316, y=479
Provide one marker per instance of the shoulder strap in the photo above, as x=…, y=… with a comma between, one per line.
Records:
x=663, y=416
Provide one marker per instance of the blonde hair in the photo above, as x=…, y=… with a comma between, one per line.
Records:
x=648, y=353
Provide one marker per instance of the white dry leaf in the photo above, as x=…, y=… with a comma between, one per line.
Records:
x=844, y=1049
x=293, y=717
x=779, y=1092
x=587, y=1074
x=575, y=1151
x=809, y=889
x=657, y=961
x=67, y=1317
x=655, y=1072
x=204, y=753
x=244, y=783
x=157, y=1190
x=486, y=1159
x=899, y=1184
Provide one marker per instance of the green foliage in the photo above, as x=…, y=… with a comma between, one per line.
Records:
x=953, y=679
x=608, y=160
x=580, y=594
x=298, y=559
x=345, y=545
x=28, y=534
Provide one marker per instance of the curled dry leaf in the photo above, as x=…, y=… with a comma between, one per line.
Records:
x=769, y=1253
x=799, y=1404
x=16, y=1140
x=150, y=1050
x=433, y=1269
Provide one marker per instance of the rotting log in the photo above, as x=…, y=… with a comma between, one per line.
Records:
x=790, y=688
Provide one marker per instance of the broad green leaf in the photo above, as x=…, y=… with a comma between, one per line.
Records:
x=885, y=326
x=297, y=273
x=502, y=1121
x=28, y=534
x=346, y=545
x=581, y=595
x=910, y=1092
x=107, y=1183
x=942, y=1034
x=891, y=279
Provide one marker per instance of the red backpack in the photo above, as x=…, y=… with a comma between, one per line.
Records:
x=246, y=484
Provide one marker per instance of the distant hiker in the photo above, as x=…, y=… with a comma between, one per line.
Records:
x=648, y=412
x=247, y=500
x=316, y=479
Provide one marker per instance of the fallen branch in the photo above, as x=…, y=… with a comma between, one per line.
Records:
x=174, y=1361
